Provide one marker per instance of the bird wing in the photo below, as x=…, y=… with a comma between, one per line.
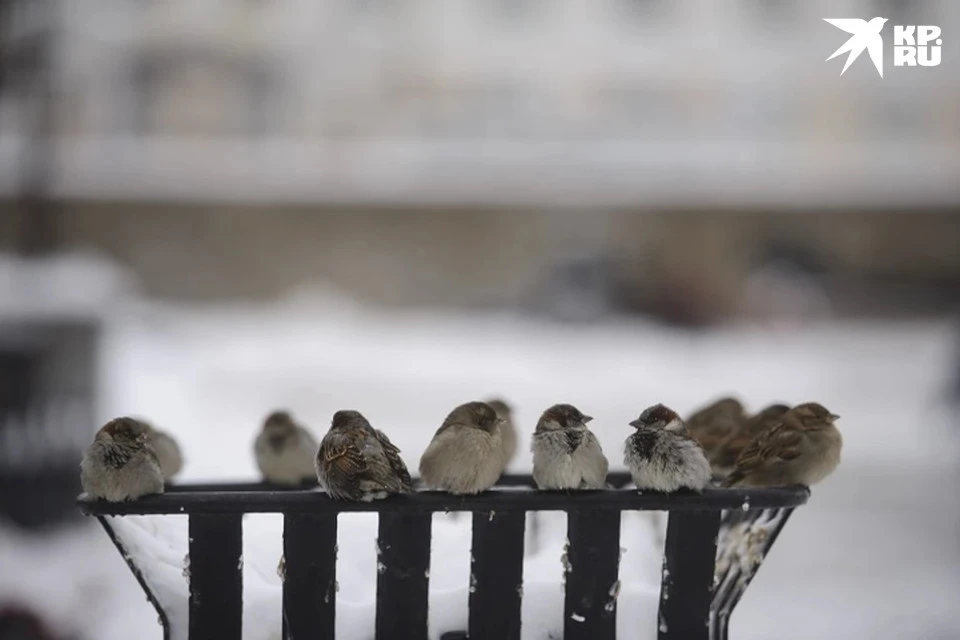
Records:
x=595, y=471
x=850, y=25
x=392, y=454
x=781, y=443
x=342, y=456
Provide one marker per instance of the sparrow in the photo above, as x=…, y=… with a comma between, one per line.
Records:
x=724, y=457
x=566, y=454
x=802, y=448
x=357, y=462
x=121, y=464
x=284, y=450
x=507, y=430
x=661, y=454
x=167, y=450
x=465, y=455
x=712, y=425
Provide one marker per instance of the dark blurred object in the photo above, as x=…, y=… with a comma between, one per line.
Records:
x=18, y=623
x=578, y=289
x=27, y=34
x=47, y=391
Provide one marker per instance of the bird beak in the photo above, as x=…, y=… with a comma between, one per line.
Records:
x=636, y=423
x=834, y=416
x=587, y=419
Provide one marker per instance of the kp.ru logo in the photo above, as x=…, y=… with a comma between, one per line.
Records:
x=912, y=45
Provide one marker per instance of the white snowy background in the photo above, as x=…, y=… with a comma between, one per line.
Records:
x=873, y=555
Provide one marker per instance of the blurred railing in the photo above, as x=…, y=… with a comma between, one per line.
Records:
x=699, y=587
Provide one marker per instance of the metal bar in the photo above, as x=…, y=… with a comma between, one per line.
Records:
x=403, y=576
x=216, y=576
x=686, y=587
x=238, y=502
x=496, y=575
x=135, y=570
x=592, y=584
x=309, y=574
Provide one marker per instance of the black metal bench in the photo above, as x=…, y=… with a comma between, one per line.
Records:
x=700, y=586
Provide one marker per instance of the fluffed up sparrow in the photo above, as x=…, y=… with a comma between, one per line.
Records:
x=508, y=430
x=167, y=450
x=662, y=456
x=465, y=455
x=802, y=448
x=357, y=462
x=121, y=464
x=566, y=454
x=285, y=450
x=724, y=457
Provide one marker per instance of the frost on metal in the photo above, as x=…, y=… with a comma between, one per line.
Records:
x=492, y=513
x=240, y=563
x=473, y=583
x=565, y=557
x=186, y=566
x=614, y=593
x=381, y=568
x=746, y=504
x=282, y=568
x=742, y=550
x=576, y=617
x=662, y=627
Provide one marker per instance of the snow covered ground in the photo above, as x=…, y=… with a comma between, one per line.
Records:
x=873, y=555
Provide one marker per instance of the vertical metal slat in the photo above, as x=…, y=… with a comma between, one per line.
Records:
x=496, y=575
x=309, y=575
x=686, y=587
x=403, y=575
x=216, y=576
x=592, y=585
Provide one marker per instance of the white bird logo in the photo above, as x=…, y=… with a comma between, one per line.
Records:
x=866, y=35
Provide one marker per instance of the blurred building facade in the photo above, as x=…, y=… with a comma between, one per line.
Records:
x=683, y=143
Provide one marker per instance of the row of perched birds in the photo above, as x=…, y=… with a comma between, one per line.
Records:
x=719, y=444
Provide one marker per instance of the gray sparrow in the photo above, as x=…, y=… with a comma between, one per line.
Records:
x=121, y=464
x=566, y=454
x=465, y=455
x=284, y=450
x=662, y=456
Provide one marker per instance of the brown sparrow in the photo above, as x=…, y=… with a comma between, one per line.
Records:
x=566, y=454
x=662, y=456
x=167, y=450
x=284, y=450
x=466, y=453
x=715, y=423
x=723, y=458
x=358, y=462
x=802, y=448
x=121, y=464
x=508, y=430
